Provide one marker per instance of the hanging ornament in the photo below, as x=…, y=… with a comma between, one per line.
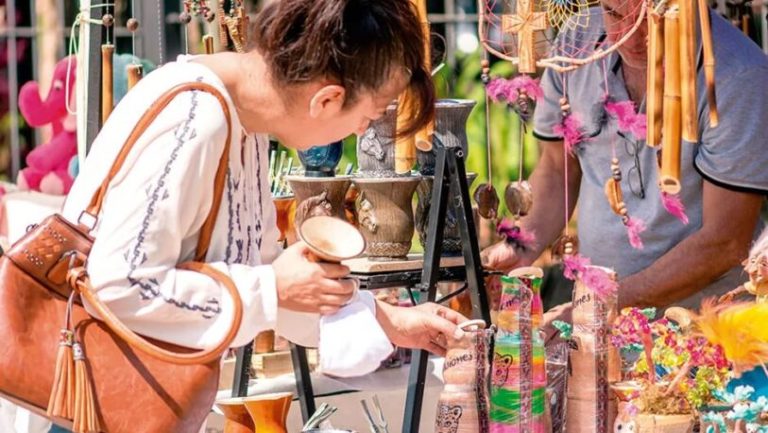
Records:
x=616, y=200
x=107, y=73
x=135, y=70
x=485, y=195
x=570, y=128
x=198, y=8
x=566, y=245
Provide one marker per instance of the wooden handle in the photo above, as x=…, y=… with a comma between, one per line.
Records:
x=709, y=62
x=688, y=70
x=655, y=97
x=80, y=281
x=107, y=79
x=134, y=72
x=669, y=176
x=94, y=207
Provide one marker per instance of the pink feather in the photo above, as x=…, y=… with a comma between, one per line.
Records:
x=570, y=130
x=574, y=265
x=674, y=206
x=628, y=119
x=635, y=226
x=529, y=85
x=516, y=236
x=498, y=89
x=596, y=279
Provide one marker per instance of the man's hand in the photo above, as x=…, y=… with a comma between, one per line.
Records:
x=426, y=326
x=308, y=286
x=503, y=257
x=561, y=312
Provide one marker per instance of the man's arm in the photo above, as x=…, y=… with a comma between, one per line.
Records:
x=728, y=224
x=546, y=218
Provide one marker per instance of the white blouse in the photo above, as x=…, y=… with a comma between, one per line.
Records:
x=154, y=210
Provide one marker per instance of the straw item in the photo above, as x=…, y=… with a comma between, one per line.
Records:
x=655, y=85
x=709, y=62
x=688, y=70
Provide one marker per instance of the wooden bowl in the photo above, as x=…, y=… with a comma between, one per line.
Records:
x=331, y=239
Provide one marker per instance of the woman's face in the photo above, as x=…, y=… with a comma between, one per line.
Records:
x=328, y=120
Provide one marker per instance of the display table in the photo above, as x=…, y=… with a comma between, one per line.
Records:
x=345, y=394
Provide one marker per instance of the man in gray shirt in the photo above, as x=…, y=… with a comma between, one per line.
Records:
x=724, y=176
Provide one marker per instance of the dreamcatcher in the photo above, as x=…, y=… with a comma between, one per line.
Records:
x=548, y=34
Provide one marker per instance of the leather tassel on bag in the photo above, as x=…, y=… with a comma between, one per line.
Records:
x=85, y=419
x=61, y=402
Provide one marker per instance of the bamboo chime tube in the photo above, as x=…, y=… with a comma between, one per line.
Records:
x=745, y=24
x=134, y=73
x=669, y=177
x=709, y=62
x=208, y=42
x=655, y=85
x=405, y=146
x=107, y=79
x=686, y=24
x=424, y=136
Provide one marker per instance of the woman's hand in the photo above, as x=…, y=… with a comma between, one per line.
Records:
x=308, y=286
x=426, y=326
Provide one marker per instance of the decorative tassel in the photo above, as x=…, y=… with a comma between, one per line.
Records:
x=85, y=419
x=570, y=130
x=61, y=402
x=635, y=226
x=629, y=121
x=674, y=206
x=596, y=279
x=516, y=236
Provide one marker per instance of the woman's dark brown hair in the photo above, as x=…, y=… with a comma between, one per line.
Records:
x=357, y=43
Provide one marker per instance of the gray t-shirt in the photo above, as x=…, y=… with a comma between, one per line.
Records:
x=732, y=155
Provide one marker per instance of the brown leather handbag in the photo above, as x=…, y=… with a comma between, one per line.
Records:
x=96, y=375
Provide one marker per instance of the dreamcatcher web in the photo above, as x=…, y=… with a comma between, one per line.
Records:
x=560, y=34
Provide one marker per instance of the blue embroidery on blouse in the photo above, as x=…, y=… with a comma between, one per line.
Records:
x=149, y=288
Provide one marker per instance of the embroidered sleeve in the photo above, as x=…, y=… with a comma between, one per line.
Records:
x=151, y=220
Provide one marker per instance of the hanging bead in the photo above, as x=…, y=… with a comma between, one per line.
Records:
x=132, y=24
x=485, y=75
x=185, y=18
x=565, y=107
x=210, y=16
x=108, y=20
x=616, y=170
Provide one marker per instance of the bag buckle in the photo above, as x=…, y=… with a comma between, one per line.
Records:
x=91, y=220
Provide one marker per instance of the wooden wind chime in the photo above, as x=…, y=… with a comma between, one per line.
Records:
x=671, y=99
x=134, y=71
x=232, y=26
x=405, y=146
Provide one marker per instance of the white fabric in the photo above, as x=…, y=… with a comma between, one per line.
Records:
x=351, y=341
x=154, y=210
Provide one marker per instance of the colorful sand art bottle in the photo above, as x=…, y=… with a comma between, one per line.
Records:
x=539, y=378
x=463, y=404
x=512, y=379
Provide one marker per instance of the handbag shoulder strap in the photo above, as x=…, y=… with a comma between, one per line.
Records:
x=94, y=207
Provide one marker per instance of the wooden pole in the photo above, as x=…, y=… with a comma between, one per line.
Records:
x=655, y=85
x=709, y=62
x=688, y=70
x=424, y=136
x=669, y=176
x=208, y=42
x=107, y=79
x=134, y=72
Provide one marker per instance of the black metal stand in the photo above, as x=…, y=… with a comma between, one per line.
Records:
x=450, y=187
x=449, y=171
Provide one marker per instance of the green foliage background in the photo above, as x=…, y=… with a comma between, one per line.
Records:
x=464, y=83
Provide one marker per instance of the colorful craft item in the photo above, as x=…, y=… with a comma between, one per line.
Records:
x=739, y=328
x=674, y=206
x=571, y=130
x=633, y=327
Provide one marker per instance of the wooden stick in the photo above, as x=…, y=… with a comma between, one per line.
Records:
x=745, y=24
x=208, y=41
x=688, y=70
x=107, y=80
x=405, y=147
x=669, y=176
x=654, y=108
x=134, y=72
x=709, y=62
x=424, y=136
